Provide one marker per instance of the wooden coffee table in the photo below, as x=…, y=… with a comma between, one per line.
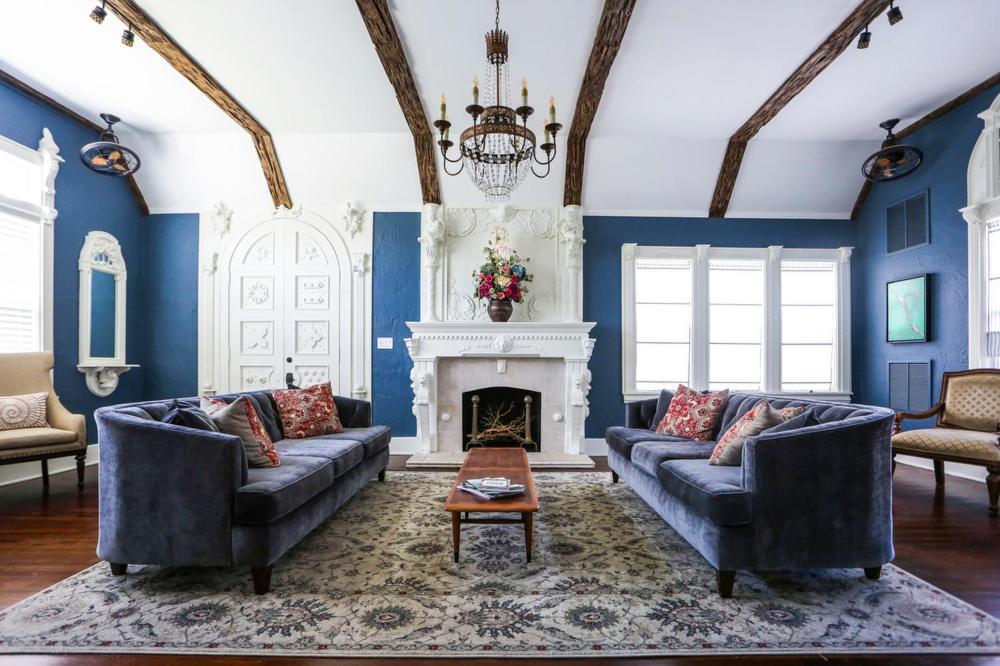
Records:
x=480, y=463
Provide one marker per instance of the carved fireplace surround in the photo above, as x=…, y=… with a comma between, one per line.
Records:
x=546, y=347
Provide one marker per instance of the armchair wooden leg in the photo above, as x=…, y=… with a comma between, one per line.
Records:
x=45, y=474
x=939, y=472
x=993, y=486
x=725, y=581
x=261, y=579
x=873, y=573
x=614, y=477
x=81, y=461
x=118, y=568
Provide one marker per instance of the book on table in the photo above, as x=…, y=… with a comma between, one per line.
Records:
x=492, y=488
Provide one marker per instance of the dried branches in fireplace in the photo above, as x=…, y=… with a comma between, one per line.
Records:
x=498, y=423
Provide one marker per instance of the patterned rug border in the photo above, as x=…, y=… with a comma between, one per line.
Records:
x=222, y=651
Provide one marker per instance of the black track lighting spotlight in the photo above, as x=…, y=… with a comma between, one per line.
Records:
x=894, y=14
x=99, y=13
x=128, y=37
x=864, y=39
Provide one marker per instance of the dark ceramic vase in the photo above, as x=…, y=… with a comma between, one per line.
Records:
x=500, y=310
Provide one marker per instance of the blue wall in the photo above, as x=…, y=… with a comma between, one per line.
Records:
x=602, y=284
x=395, y=301
x=170, y=307
x=86, y=201
x=947, y=145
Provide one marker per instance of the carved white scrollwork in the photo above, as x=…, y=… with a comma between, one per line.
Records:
x=222, y=219
x=352, y=218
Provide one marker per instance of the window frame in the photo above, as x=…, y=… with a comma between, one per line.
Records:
x=42, y=212
x=771, y=256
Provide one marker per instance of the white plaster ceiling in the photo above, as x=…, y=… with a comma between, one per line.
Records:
x=687, y=76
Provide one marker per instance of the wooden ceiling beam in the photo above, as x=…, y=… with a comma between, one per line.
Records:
x=390, y=52
x=835, y=44
x=45, y=100
x=607, y=41
x=157, y=39
x=942, y=110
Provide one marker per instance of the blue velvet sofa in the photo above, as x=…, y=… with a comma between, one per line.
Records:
x=818, y=496
x=172, y=495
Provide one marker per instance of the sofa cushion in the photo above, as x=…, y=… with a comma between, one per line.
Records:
x=712, y=491
x=662, y=405
x=803, y=420
x=950, y=442
x=693, y=414
x=621, y=439
x=26, y=437
x=649, y=455
x=374, y=439
x=190, y=417
x=344, y=454
x=308, y=412
x=272, y=492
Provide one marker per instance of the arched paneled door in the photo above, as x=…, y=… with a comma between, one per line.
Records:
x=285, y=307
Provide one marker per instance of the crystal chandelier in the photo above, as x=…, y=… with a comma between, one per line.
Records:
x=496, y=151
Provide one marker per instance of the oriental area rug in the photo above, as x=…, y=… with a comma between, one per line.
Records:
x=609, y=577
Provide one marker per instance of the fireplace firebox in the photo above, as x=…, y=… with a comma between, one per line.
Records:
x=501, y=416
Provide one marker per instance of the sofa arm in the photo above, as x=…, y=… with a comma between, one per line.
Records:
x=165, y=491
x=59, y=417
x=353, y=413
x=822, y=495
x=640, y=414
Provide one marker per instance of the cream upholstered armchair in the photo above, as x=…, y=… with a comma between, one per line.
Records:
x=966, y=431
x=67, y=433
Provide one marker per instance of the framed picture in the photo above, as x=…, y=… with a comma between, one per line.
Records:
x=906, y=309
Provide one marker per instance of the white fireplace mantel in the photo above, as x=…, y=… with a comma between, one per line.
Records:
x=448, y=359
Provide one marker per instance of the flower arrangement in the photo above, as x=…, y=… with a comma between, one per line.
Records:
x=503, y=276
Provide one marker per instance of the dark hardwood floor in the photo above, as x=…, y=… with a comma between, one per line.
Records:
x=945, y=538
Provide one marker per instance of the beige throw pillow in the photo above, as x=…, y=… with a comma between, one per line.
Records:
x=729, y=449
x=23, y=411
x=240, y=418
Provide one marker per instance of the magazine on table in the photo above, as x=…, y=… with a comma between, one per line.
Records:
x=492, y=488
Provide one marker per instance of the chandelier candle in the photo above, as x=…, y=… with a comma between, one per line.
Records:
x=498, y=150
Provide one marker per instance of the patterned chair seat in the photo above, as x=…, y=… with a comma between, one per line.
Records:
x=946, y=441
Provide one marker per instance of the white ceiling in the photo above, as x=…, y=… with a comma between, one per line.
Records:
x=687, y=76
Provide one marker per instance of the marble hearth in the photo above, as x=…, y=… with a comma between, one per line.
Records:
x=450, y=357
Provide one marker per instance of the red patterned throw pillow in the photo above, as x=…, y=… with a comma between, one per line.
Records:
x=308, y=412
x=240, y=418
x=729, y=449
x=693, y=415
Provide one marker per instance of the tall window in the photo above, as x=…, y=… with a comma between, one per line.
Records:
x=759, y=319
x=26, y=214
x=992, y=347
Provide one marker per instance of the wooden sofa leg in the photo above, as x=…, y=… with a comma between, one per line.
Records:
x=81, y=461
x=614, y=477
x=261, y=579
x=381, y=476
x=993, y=487
x=873, y=573
x=118, y=568
x=45, y=474
x=939, y=472
x=725, y=580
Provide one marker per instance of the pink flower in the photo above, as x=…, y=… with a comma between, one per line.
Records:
x=507, y=292
x=500, y=296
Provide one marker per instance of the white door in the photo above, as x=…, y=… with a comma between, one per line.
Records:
x=288, y=306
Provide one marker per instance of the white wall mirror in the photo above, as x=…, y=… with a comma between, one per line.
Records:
x=102, y=312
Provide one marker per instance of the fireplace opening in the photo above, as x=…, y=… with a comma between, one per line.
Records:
x=502, y=416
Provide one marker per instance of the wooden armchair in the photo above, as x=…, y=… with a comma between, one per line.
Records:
x=67, y=432
x=967, y=429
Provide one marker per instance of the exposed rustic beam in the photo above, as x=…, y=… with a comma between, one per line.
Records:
x=607, y=40
x=42, y=98
x=835, y=44
x=926, y=120
x=390, y=52
x=158, y=40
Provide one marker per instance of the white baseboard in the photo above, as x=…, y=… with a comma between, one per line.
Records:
x=33, y=470
x=970, y=472
x=595, y=446
x=403, y=445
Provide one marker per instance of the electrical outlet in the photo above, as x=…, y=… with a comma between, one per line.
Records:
x=384, y=343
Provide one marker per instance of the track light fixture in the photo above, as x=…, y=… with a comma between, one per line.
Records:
x=99, y=13
x=894, y=14
x=128, y=37
x=865, y=38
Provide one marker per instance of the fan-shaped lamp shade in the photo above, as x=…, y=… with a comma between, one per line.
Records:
x=107, y=156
